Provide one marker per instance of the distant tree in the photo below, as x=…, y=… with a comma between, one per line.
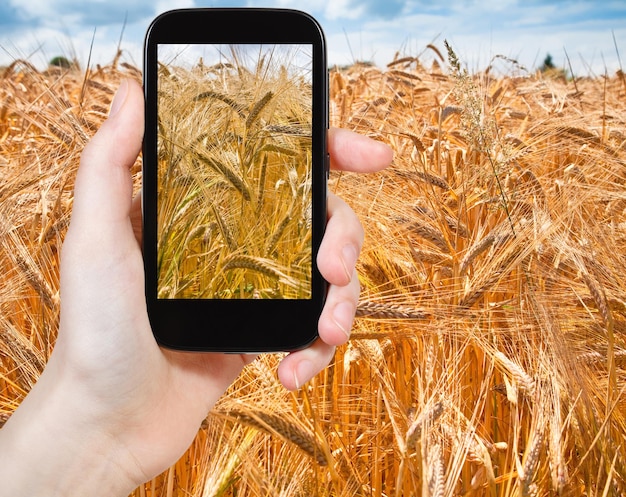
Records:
x=60, y=61
x=547, y=64
x=550, y=70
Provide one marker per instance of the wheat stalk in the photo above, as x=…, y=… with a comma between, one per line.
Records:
x=523, y=379
x=475, y=292
x=527, y=471
x=29, y=361
x=261, y=265
x=274, y=423
x=376, y=310
x=428, y=232
x=258, y=107
x=424, y=420
x=238, y=108
x=428, y=178
x=436, y=479
x=475, y=250
x=35, y=279
x=228, y=173
x=403, y=75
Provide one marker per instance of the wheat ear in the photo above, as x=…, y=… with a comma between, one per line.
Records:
x=436, y=476
x=273, y=423
x=258, y=107
x=425, y=419
x=223, y=98
x=376, y=310
x=522, y=378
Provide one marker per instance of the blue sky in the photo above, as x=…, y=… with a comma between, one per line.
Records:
x=524, y=30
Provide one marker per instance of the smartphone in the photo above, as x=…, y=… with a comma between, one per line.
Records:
x=235, y=170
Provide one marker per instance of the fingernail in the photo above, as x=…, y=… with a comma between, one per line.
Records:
x=119, y=99
x=343, y=315
x=348, y=259
x=304, y=372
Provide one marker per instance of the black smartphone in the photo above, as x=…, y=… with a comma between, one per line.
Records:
x=235, y=168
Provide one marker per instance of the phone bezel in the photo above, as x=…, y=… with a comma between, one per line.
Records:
x=234, y=326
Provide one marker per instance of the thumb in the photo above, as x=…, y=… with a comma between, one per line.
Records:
x=101, y=264
x=103, y=188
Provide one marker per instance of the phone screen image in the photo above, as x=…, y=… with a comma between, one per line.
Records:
x=234, y=178
x=234, y=174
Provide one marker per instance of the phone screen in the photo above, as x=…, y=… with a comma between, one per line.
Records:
x=234, y=178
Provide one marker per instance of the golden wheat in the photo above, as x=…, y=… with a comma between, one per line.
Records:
x=489, y=352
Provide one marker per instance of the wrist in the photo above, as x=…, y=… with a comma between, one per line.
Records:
x=48, y=448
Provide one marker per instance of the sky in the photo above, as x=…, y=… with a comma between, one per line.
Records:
x=590, y=33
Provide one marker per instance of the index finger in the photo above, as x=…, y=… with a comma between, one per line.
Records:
x=350, y=151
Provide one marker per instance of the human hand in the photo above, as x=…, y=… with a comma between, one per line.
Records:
x=110, y=397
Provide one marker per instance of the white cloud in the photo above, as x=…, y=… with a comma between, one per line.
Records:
x=28, y=10
x=343, y=9
x=164, y=5
x=57, y=13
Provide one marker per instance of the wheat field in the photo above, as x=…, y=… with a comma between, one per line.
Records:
x=489, y=353
x=234, y=178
